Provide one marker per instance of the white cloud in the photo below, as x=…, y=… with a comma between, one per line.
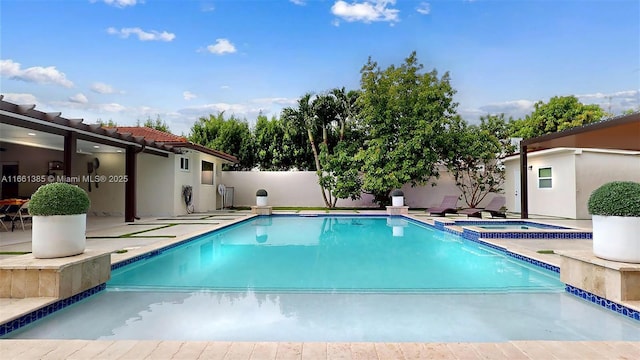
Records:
x=35, y=74
x=102, y=88
x=188, y=95
x=120, y=3
x=366, y=11
x=299, y=2
x=142, y=35
x=222, y=46
x=615, y=103
x=225, y=87
x=20, y=98
x=519, y=107
x=79, y=98
x=276, y=101
x=618, y=94
x=424, y=8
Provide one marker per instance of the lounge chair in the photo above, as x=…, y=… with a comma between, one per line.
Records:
x=448, y=206
x=494, y=208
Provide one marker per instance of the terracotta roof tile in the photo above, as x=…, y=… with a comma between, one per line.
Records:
x=150, y=134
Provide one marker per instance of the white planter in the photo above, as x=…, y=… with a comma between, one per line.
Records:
x=616, y=238
x=397, y=201
x=58, y=235
x=261, y=200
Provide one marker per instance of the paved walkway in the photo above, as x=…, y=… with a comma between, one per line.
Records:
x=84, y=349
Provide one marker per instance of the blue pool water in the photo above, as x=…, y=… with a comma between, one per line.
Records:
x=332, y=279
x=334, y=254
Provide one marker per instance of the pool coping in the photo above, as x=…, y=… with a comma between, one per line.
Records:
x=15, y=321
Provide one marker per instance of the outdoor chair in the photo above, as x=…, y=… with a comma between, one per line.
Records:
x=22, y=215
x=448, y=206
x=2, y=218
x=494, y=208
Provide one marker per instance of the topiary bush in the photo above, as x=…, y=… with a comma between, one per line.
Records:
x=617, y=198
x=261, y=192
x=59, y=199
x=397, y=192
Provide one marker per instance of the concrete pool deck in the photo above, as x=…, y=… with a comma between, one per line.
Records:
x=154, y=233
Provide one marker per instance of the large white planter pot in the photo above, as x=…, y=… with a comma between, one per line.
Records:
x=616, y=238
x=397, y=201
x=58, y=235
x=261, y=200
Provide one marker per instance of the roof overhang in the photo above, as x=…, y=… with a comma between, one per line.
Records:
x=25, y=116
x=620, y=133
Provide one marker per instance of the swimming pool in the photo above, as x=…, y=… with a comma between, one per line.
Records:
x=333, y=254
x=455, y=290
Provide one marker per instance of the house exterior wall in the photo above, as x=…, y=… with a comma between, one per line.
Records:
x=300, y=188
x=576, y=173
x=207, y=193
x=107, y=198
x=559, y=200
x=155, y=185
x=595, y=168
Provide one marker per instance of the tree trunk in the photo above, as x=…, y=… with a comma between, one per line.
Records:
x=316, y=159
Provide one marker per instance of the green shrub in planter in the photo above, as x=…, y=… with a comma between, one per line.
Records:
x=397, y=192
x=59, y=199
x=617, y=198
x=261, y=192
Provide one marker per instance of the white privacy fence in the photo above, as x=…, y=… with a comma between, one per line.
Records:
x=300, y=188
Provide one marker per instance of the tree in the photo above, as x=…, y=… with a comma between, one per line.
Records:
x=231, y=136
x=157, y=124
x=276, y=148
x=560, y=113
x=326, y=119
x=473, y=156
x=404, y=112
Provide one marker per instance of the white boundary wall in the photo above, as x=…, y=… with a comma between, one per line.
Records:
x=300, y=188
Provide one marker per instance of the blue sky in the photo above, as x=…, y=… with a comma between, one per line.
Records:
x=127, y=60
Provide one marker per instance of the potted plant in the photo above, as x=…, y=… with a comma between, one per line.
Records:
x=261, y=197
x=615, y=210
x=397, y=198
x=59, y=213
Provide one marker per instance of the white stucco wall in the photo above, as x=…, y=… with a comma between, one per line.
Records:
x=595, y=168
x=107, y=199
x=557, y=201
x=576, y=173
x=300, y=188
x=155, y=185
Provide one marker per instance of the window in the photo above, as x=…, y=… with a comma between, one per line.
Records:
x=544, y=178
x=184, y=163
x=206, y=177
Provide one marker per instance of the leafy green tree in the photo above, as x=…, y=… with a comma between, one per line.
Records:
x=340, y=174
x=231, y=136
x=275, y=148
x=473, y=153
x=404, y=111
x=327, y=118
x=560, y=113
x=157, y=124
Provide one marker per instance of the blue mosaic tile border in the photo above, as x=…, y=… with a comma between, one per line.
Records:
x=48, y=309
x=535, y=262
x=475, y=234
x=517, y=222
x=608, y=304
